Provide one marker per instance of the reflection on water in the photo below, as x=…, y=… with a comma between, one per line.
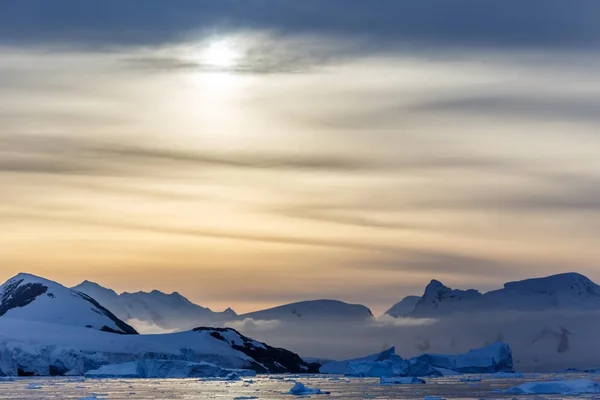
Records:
x=265, y=387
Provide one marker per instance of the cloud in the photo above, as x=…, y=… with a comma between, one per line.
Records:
x=578, y=109
x=80, y=155
x=537, y=23
x=147, y=327
x=534, y=337
x=388, y=320
x=254, y=325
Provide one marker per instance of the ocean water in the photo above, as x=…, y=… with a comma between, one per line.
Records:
x=270, y=387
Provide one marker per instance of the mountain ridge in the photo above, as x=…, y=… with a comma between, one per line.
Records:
x=568, y=290
x=33, y=298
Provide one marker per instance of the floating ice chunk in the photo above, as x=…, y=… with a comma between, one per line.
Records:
x=233, y=376
x=506, y=375
x=400, y=380
x=434, y=398
x=471, y=379
x=578, y=386
x=300, y=390
x=33, y=386
x=245, y=398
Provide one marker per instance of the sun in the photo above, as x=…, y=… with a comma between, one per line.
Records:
x=220, y=54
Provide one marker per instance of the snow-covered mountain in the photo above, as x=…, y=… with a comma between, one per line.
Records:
x=166, y=311
x=403, y=307
x=49, y=329
x=29, y=297
x=331, y=310
x=568, y=291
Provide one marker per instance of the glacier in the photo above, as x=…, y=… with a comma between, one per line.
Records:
x=166, y=369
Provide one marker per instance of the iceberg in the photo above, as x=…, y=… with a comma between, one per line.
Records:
x=493, y=358
x=300, y=390
x=386, y=363
x=341, y=367
x=400, y=380
x=490, y=359
x=578, y=386
x=166, y=369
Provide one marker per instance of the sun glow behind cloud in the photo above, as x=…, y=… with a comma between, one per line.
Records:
x=220, y=54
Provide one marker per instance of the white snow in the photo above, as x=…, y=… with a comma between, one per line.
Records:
x=579, y=386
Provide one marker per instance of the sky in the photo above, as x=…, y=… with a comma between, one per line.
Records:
x=252, y=153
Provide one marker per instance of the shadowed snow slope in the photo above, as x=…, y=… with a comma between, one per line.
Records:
x=404, y=307
x=167, y=311
x=314, y=310
x=28, y=297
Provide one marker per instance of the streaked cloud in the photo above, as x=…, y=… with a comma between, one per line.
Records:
x=352, y=151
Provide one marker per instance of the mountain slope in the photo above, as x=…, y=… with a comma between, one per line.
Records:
x=570, y=291
x=313, y=310
x=29, y=297
x=167, y=311
x=403, y=307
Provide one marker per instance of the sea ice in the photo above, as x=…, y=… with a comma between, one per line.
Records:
x=400, y=380
x=578, y=386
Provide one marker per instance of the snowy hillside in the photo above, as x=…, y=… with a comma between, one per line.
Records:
x=37, y=348
x=166, y=311
x=31, y=298
x=48, y=329
x=569, y=291
x=313, y=310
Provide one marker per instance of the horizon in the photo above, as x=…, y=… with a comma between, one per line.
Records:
x=252, y=153
x=376, y=313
